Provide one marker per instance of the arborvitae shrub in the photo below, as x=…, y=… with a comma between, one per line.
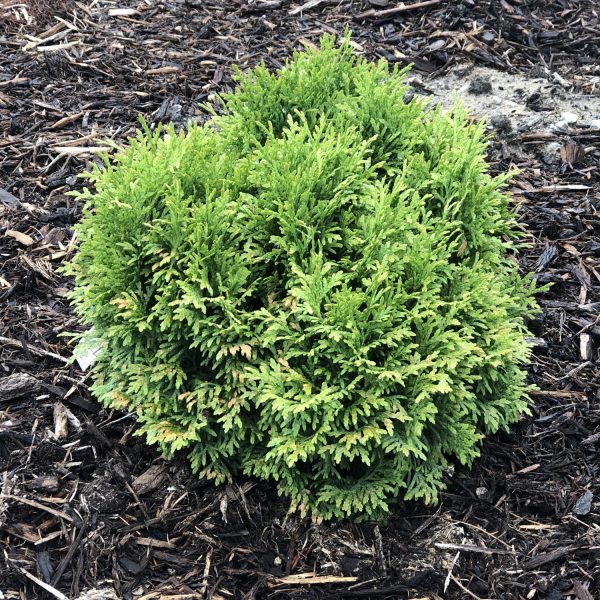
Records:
x=314, y=288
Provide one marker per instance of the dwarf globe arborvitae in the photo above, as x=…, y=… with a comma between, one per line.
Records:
x=313, y=288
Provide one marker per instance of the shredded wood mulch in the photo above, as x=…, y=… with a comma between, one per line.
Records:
x=87, y=510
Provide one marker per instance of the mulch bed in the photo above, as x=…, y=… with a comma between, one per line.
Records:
x=87, y=506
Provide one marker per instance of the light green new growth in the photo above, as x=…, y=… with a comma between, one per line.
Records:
x=314, y=288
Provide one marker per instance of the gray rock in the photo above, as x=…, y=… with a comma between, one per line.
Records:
x=584, y=505
x=567, y=120
x=551, y=153
x=488, y=37
x=482, y=493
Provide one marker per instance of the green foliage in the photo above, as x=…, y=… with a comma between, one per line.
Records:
x=314, y=288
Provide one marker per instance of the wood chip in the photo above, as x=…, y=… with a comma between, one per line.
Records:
x=472, y=548
x=150, y=479
x=144, y=541
x=572, y=153
x=585, y=346
x=122, y=12
x=569, y=187
x=582, y=591
x=22, y=238
x=66, y=120
x=44, y=483
x=50, y=589
x=304, y=7
x=7, y=198
x=33, y=349
x=75, y=150
x=392, y=12
x=37, y=505
x=314, y=579
x=17, y=385
x=59, y=47
x=528, y=469
x=162, y=71
x=61, y=422
x=560, y=394
x=546, y=557
x=23, y=531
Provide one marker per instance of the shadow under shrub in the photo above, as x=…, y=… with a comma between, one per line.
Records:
x=314, y=288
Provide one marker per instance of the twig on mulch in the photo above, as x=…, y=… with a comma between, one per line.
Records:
x=45, y=586
x=33, y=349
x=34, y=504
x=472, y=548
x=64, y=563
x=388, y=13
